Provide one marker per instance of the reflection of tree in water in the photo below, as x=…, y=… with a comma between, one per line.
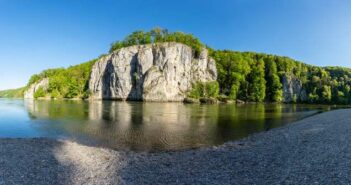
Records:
x=237, y=121
x=203, y=128
x=45, y=109
x=274, y=116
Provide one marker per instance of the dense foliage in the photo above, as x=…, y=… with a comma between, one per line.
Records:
x=205, y=90
x=12, y=93
x=259, y=77
x=65, y=83
x=158, y=35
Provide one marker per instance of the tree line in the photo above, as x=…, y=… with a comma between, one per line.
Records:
x=158, y=35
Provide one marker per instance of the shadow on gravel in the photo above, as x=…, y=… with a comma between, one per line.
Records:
x=46, y=161
x=31, y=161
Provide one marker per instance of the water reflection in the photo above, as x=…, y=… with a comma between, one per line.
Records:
x=158, y=126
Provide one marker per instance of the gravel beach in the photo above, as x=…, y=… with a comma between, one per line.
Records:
x=316, y=150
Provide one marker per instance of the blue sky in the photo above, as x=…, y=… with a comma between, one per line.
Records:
x=40, y=34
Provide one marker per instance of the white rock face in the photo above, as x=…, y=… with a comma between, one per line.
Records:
x=29, y=94
x=293, y=90
x=153, y=72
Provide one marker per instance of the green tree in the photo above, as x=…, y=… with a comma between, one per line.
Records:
x=274, y=90
x=233, y=69
x=257, y=87
x=205, y=90
x=326, y=94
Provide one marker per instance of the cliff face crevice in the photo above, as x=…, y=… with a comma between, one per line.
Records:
x=154, y=72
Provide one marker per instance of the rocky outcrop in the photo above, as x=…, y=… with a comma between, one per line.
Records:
x=293, y=90
x=29, y=93
x=153, y=72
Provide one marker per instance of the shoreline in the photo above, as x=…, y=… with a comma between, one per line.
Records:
x=316, y=149
x=332, y=106
x=219, y=102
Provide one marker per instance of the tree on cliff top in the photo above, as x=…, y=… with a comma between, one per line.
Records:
x=159, y=35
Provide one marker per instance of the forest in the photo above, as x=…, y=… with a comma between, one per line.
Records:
x=258, y=77
x=247, y=76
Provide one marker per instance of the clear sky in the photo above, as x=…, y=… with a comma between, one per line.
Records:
x=40, y=34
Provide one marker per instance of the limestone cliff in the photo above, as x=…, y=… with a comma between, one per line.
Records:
x=293, y=90
x=153, y=72
x=29, y=93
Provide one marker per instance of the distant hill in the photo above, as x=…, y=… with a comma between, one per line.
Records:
x=12, y=93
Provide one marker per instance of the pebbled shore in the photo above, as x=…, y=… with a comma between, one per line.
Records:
x=316, y=150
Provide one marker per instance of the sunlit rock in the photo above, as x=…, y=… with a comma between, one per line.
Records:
x=153, y=72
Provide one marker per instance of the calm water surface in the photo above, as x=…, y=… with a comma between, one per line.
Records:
x=144, y=126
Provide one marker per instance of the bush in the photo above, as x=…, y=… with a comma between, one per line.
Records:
x=55, y=94
x=205, y=90
x=40, y=93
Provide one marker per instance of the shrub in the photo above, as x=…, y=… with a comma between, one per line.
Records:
x=205, y=90
x=55, y=94
x=40, y=93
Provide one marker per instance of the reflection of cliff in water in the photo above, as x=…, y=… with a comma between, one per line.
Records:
x=34, y=111
x=131, y=125
x=152, y=126
x=158, y=126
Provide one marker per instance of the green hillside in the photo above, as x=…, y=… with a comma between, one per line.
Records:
x=12, y=93
x=65, y=83
x=258, y=77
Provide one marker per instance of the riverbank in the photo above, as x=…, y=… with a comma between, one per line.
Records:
x=314, y=150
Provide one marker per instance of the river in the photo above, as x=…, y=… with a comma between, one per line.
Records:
x=141, y=126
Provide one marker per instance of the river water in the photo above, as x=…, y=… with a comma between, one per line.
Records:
x=141, y=126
